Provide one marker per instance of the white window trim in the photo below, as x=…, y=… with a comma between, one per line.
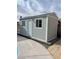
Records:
x=42, y=23
x=25, y=23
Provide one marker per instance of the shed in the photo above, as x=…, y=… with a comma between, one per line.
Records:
x=40, y=27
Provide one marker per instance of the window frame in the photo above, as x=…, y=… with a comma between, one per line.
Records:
x=22, y=23
x=38, y=23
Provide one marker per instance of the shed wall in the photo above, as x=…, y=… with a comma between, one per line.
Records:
x=24, y=30
x=39, y=33
x=52, y=27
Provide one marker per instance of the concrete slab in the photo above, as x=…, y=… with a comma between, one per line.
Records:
x=20, y=38
x=35, y=57
x=29, y=49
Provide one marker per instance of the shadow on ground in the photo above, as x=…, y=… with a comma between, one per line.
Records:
x=55, y=41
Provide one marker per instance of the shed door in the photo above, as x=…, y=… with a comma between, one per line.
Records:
x=30, y=27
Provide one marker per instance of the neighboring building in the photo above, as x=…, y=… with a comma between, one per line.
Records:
x=18, y=25
x=59, y=28
x=40, y=27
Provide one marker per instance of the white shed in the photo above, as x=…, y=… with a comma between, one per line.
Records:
x=40, y=27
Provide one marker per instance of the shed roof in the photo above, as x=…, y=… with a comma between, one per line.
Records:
x=38, y=16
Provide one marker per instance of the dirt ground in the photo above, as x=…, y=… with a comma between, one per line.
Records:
x=55, y=50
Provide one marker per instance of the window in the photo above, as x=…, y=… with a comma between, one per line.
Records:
x=23, y=23
x=39, y=23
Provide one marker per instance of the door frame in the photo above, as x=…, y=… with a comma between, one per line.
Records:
x=30, y=27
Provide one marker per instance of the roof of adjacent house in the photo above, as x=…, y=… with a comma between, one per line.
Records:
x=38, y=16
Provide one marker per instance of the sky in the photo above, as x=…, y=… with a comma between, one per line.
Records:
x=36, y=7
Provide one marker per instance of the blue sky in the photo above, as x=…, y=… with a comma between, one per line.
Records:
x=34, y=7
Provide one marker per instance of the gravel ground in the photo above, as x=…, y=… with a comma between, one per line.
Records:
x=55, y=50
